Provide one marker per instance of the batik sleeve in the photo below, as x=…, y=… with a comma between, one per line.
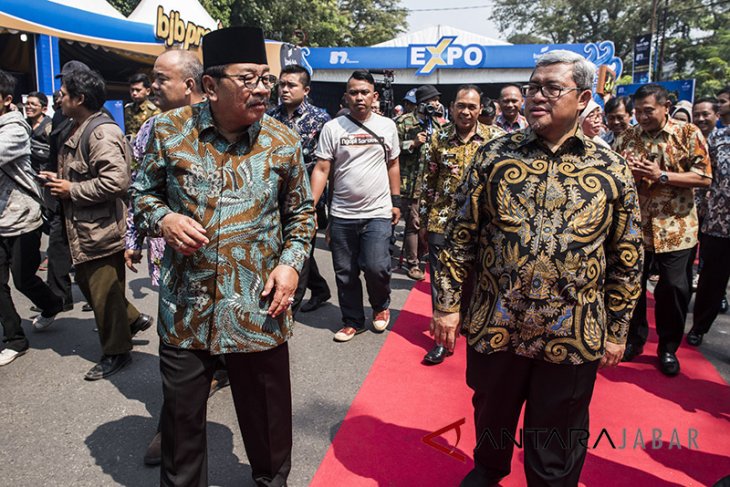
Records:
x=624, y=259
x=297, y=213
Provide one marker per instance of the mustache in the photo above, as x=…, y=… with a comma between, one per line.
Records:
x=256, y=100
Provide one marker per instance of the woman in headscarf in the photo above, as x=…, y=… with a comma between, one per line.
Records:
x=591, y=122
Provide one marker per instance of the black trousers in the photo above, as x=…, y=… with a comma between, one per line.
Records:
x=21, y=256
x=310, y=278
x=672, y=296
x=713, y=282
x=557, y=397
x=261, y=390
x=59, y=257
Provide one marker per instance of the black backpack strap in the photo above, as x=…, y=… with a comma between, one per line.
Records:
x=88, y=130
x=377, y=137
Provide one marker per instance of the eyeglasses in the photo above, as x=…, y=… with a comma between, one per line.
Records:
x=551, y=92
x=251, y=81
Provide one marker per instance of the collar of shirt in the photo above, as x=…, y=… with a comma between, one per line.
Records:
x=206, y=123
x=480, y=135
x=280, y=113
x=576, y=141
x=668, y=128
x=139, y=107
x=520, y=121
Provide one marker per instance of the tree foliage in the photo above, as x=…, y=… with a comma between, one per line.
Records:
x=700, y=50
x=696, y=33
x=320, y=23
x=576, y=21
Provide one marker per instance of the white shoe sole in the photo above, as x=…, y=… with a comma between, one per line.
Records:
x=380, y=325
x=5, y=361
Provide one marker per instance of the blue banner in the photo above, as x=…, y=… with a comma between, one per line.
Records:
x=446, y=54
x=69, y=19
x=683, y=89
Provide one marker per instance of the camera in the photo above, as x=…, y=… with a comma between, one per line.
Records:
x=429, y=110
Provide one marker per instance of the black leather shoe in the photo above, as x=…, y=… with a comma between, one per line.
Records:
x=142, y=323
x=314, y=303
x=109, y=365
x=694, y=338
x=153, y=455
x=87, y=307
x=668, y=364
x=723, y=305
x=632, y=351
x=436, y=355
x=220, y=380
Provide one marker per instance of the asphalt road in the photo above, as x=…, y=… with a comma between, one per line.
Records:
x=59, y=430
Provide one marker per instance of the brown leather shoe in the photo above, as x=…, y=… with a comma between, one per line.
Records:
x=416, y=274
x=347, y=333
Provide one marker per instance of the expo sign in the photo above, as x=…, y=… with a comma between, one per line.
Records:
x=445, y=55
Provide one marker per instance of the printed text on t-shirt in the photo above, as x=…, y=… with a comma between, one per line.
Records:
x=361, y=139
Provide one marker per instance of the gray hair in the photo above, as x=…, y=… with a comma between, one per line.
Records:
x=583, y=70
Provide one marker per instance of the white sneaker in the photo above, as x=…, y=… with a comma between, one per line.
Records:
x=40, y=322
x=7, y=356
x=381, y=320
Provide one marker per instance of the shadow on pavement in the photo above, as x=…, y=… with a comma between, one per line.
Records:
x=141, y=287
x=118, y=448
x=621, y=475
x=695, y=463
x=140, y=381
x=692, y=395
x=67, y=336
x=392, y=454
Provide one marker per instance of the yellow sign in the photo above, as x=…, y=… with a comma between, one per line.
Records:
x=173, y=30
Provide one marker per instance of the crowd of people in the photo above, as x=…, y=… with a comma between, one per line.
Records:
x=542, y=216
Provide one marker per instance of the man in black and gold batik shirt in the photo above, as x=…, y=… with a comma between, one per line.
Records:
x=550, y=223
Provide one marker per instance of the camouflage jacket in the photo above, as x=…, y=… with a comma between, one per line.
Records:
x=135, y=115
x=413, y=161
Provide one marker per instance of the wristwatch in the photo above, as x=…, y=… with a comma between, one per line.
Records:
x=663, y=177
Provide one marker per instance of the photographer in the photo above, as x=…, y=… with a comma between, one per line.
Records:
x=414, y=131
x=488, y=113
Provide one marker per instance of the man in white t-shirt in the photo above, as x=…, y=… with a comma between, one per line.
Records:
x=362, y=151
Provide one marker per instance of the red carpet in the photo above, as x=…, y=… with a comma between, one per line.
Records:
x=381, y=439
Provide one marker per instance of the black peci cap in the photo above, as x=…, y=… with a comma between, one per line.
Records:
x=234, y=45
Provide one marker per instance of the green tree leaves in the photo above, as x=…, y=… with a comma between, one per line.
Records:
x=696, y=33
x=320, y=23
